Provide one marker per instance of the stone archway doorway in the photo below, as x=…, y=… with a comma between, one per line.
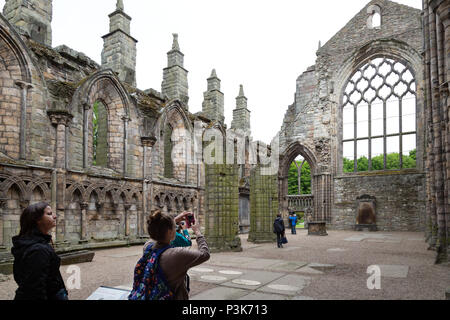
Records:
x=319, y=201
x=295, y=201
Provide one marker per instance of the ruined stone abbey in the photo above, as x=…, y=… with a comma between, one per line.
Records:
x=84, y=138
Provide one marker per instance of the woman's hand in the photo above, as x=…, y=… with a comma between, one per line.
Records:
x=181, y=217
x=196, y=228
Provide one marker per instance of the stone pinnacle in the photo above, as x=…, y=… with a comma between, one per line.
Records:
x=241, y=91
x=119, y=5
x=213, y=73
x=175, y=45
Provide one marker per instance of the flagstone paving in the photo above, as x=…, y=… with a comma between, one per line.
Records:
x=307, y=268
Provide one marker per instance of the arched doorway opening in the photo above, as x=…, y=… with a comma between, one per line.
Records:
x=300, y=198
x=318, y=203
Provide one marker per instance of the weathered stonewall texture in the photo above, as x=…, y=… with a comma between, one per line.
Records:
x=47, y=98
x=313, y=124
x=437, y=155
x=263, y=204
x=119, y=48
x=241, y=115
x=32, y=18
x=222, y=207
x=175, y=82
x=213, y=104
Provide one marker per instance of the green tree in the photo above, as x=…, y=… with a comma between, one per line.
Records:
x=293, y=179
x=392, y=162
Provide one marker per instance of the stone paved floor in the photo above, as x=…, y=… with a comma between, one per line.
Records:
x=319, y=268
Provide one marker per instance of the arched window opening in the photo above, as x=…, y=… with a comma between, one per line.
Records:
x=299, y=177
x=100, y=135
x=168, y=146
x=379, y=118
x=374, y=20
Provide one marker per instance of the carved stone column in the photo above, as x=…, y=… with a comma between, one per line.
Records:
x=147, y=144
x=125, y=119
x=127, y=207
x=2, y=208
x=86, y=109
x=23, y=117
x=83, y=223
x=60, y=119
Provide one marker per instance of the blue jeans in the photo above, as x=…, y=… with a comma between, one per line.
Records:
x=294, y=229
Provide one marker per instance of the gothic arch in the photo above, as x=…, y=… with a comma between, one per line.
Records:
x=21, y=186
x=104, y=86
x=38, y=183
x=291, y=153
x=76, y=186
x=381, y=48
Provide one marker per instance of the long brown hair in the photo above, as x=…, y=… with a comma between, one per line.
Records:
x=158, y=224
x=30, y=216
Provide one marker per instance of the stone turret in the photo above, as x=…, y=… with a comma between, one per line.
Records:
x=213, y=104
x=32, y=18
x=241, y=115
x=119, y=47
x=175, y=81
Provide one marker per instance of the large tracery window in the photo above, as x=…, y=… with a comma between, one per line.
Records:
x=379, y=117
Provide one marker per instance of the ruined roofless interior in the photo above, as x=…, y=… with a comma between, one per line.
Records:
x=84, y=138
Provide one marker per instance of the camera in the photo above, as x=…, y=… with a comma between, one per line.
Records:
x=190, y=220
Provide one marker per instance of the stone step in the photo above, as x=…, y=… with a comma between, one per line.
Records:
x=69, y=258
x=321, y=266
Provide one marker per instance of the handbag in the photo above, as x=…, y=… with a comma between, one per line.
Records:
x=284, y=240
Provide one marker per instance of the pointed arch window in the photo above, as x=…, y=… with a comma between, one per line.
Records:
x=100, y=135
x=374, y=19
x=168, y=146
x=379, y=117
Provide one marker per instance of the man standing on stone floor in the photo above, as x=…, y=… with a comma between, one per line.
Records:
x=279, y=229
x=293, y=222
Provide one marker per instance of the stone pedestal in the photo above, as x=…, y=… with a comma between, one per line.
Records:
x=318, y=228
x=366, y=227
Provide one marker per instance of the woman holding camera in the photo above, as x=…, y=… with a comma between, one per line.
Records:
x=173, y=262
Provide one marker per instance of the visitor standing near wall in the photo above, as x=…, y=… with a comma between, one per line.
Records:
x=279, y=229
x=293, y=221
x=167, y=281
x=182, y=237
x=36, y=265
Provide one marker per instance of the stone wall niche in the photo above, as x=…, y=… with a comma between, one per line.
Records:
x=366, y=217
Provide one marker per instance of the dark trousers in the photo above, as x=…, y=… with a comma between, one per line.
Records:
x=279, y=236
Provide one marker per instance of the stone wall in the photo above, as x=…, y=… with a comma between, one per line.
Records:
x=46, y=152
x=400, y=200
x=222, y=208
x=313, y=125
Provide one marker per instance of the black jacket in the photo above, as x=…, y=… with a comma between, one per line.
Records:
x=36, y=268
x=278, y=225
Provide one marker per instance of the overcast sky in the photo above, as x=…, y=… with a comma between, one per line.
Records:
x=263, y=44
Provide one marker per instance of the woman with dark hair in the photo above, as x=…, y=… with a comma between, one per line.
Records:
x=36, y=265
x=161, y=273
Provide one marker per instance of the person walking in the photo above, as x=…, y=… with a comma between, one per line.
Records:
x=279, y=229
x=161, y=272
x=293, y=221
x=36, y=265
